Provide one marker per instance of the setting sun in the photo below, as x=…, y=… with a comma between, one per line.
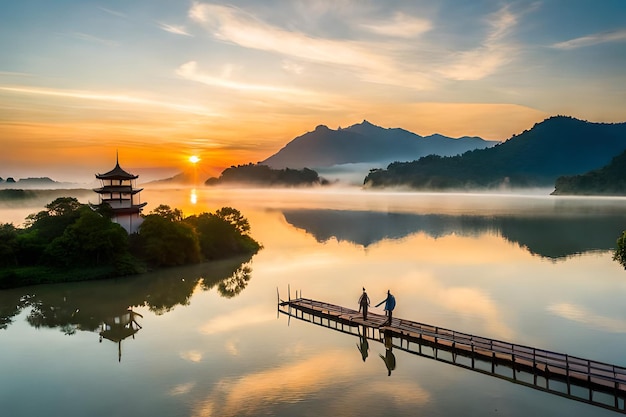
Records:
x=194, y=159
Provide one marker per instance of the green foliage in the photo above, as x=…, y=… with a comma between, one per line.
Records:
x=71, y=241
x=164, y=242
x=8, y=245
x=264, y=175
x=90, y=241
x=619, y=254
x=223, y=234
x=608, y=180
x=166, y=212
x=537, y=157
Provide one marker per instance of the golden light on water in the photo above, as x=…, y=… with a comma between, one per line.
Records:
x=194, y=196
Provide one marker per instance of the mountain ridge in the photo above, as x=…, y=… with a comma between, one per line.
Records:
x=366, y=142
x=557, y=146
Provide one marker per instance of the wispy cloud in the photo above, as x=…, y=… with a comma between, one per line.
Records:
x=177, y=30
x=112, y=12
x=191, y=72
x=490, y=55
x=94, y=39
x=107, y=97
x=595, y=39
x=401, y=26
x=370, y=61
x=582, y=315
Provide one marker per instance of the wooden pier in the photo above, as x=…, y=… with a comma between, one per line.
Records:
x=585, y=380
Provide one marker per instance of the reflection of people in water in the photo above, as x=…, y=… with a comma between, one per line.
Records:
x=364, y=303
x=363, y=345
x=390, y=304
x=389, y=358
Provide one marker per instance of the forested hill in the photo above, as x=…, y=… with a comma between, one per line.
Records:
x=608, y=180
x=365, y=142
x=555, y=147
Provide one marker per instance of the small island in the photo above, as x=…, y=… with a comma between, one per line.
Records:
x=263, y=175
x=70, y=241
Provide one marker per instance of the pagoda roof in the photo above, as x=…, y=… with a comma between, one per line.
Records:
x=117, y=189
x=117, y=173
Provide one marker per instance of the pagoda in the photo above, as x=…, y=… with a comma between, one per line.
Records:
x=119, y=192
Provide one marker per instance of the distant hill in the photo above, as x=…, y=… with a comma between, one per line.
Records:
x=608, y=180
x=556, y=147
x=40, y=183
x=365, y=142
x=262, y=175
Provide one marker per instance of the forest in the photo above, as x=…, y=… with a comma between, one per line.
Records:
x=70, y=241
x=256, y=174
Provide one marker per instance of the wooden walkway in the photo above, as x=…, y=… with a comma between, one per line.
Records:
x=533, y=367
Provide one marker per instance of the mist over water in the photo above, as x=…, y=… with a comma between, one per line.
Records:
x=525, y=267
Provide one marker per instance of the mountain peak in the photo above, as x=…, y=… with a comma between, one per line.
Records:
x=321, y=128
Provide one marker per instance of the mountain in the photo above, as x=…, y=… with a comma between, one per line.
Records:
x=365, y=142
x=608, y=180
x=40, y=183
x=558, y=146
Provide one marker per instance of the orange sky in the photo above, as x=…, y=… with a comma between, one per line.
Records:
x=233, y=83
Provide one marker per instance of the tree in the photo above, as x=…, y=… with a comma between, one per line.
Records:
x=234, y=217
x=620, y=251
x=91, y=240
x=8, y=245
x=166, y=242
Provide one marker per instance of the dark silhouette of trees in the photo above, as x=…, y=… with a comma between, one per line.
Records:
x=256, y=174
x=72, y=241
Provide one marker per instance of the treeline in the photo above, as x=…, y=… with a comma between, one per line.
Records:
x=69, y=241
x=256, y=174
x=608, y=180
x=556, y=147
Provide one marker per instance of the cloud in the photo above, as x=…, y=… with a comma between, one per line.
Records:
x=582, y=315
x=373, y=62
x=291, y=383
x=108, y=97
x=243, y=318
x=94, y=39
x=190, y=72
x=401, y=26
x=177, y=30
x=595, y=39
x=490, y=55
x=112, y=12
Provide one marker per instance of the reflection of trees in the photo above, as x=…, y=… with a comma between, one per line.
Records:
x=554, y=235
x=86, y=305
x=233, y=285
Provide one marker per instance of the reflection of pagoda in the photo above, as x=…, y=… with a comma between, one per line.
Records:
x=119, y=328
x=119, y=192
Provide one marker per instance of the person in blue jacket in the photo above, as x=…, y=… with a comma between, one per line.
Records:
x=390, y=304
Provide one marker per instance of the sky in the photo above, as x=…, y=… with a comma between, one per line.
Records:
x=158, y=81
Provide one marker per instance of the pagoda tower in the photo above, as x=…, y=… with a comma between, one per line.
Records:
x=119, y=192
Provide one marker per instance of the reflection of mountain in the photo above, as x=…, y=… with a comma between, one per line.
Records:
x=106, y=306
x=550, y=235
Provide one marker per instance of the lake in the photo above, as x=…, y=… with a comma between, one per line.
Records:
x=207, y=340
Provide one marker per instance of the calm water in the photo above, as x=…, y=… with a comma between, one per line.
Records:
x=206, y=340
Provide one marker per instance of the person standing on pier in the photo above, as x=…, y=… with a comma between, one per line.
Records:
x=364, y=303
x=390, y=304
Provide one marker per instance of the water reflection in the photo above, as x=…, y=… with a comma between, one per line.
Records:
x=106, y=307
x=389, y=358
x=119, y=328
x=551, y=235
